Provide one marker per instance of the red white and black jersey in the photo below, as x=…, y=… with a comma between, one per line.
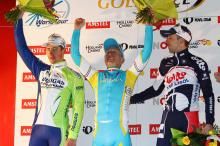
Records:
x=181, y=78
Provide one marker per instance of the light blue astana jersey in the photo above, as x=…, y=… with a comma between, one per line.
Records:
x=113, y=89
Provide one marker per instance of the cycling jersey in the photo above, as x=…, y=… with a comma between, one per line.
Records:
x=112, y=88
x=181, y=77
x=58, y=88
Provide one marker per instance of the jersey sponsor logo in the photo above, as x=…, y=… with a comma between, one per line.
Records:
x=97, y=25
x=79, y=87
x=200, y=63
x=28, y=77
x=28, y=103
x=26, y=130
x=177, y=76
x=153, y=73
x=125, y=23
x=90, y=104
x=154, y=128
x=135, y=129
x=87, y=129
x=54, y=81
x=75, y=119
x=110, y=80
x=205, y=76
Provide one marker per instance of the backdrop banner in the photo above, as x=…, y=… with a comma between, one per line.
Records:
x=116, y=18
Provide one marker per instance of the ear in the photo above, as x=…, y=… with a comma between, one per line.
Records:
x=122, y=60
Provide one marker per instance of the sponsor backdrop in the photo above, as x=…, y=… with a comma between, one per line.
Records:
x=115, y=18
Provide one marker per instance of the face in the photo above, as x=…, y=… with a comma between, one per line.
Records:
x=55, y=53
x=172, y=43
x=113, y=58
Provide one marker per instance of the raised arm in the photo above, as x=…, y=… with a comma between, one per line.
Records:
x=31, y=61
x=141, y=60
x=83, y=65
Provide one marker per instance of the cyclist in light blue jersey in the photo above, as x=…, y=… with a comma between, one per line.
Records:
x=112, y=87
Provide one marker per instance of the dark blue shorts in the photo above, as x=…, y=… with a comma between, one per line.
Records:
x=43, y=135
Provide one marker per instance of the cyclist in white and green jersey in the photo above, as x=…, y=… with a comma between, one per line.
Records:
x=59, y=87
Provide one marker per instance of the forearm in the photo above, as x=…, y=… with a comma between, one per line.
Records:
x=78, y=109
x=141, y=60
x=210, y=109
x=148, y=41
x=75, y=53
x=146, y=94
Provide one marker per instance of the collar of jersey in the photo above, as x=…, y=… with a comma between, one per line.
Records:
x=182, y=53
x=113, y=69
x=59, y=65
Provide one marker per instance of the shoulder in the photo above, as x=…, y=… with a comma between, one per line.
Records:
x=73, y=73
x=199, y=62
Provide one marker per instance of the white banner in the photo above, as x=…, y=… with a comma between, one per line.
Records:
x=116, y=18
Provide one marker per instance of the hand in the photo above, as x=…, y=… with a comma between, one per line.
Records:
x=217, y=76
x=206, y=129
x=70, y=142
x=21, y=15
x=79, y=23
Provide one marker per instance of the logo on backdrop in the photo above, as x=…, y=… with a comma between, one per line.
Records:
x=90, y=104
x=189, y=20
x=63, y=10
x=218, y=99
x=187, y=5
x=153, y=73
x=26, y=130
x=28, y=77
x=218, y=42
x=87, y=129
x=198, y=43
x=218, y=19
x=154, y=129
x=103, y=4
x=159, y=45
x=92, y=49
x=98, y=25
x=39, y=50
x=135, y=129
x=169, y=21
x=125, y=23
x=28, y=103
x=159, y=101
x=126, y=46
